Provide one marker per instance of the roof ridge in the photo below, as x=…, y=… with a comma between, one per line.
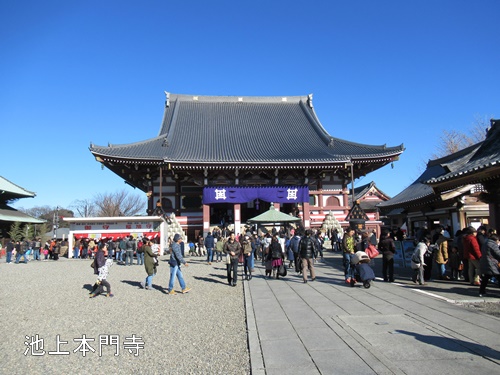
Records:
x=237, y=98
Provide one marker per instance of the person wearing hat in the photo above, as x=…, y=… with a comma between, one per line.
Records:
x=176, y=260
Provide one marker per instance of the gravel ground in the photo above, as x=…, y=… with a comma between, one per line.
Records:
x=490, y=308
x=202, y=332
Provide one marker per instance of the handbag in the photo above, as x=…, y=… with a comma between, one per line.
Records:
x=240, y=258
x=282, y=270
x=92, y=264
x=228, y=259
x=372, y=251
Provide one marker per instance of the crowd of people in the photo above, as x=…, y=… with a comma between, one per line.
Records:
x=472, y=255
x=25, y=250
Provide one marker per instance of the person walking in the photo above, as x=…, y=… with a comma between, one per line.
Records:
x=175, y=262
x=150, y=264
x=101, y=269
x=277, y=255
x=232, y=248
x=489, y=262
x=308, y=251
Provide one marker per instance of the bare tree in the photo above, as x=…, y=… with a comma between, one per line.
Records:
x=118, y=204
x=49, y=214
x=84, y=207
x=454, y=140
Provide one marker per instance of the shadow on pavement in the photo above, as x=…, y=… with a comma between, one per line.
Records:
x=454, y=345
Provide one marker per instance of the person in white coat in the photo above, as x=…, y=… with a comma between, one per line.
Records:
x=417, y=260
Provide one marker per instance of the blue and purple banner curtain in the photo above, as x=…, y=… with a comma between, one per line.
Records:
x=244, y=194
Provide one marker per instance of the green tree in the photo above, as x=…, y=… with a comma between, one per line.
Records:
x=48, y=214
x=16, y=232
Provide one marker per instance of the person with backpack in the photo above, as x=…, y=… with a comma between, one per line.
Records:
x=276, y=252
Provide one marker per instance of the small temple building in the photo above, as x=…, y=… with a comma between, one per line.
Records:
x=458, y=190
x=220, y=160
x=10, y=192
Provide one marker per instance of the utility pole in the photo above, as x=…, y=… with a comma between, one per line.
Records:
x=55, y=221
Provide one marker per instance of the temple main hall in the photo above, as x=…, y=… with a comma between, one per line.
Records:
x=221, y=160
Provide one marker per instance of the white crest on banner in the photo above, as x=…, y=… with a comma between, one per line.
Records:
x=220, y=194
x=292, y=194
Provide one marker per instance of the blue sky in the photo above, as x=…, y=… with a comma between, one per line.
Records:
x=382, y=72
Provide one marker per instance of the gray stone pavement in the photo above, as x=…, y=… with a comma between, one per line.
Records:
x=327, y=327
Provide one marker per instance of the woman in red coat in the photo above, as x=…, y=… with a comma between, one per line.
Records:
x=472, y=252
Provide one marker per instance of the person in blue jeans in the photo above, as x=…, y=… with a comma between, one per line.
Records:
x=209, y=245
x=150, y=263
x=20, y=252
x=176, y=260
x=10, y=248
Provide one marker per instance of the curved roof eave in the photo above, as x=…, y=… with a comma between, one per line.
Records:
x=200, y=128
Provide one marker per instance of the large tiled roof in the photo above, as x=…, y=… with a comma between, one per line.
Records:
x=231, y=129
x=485, y=156
x=9, y=190
x=10, y=214
x=419, y=191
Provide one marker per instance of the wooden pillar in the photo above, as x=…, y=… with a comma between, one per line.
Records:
x=492, y=197
x=306, y=214
x=177, y=197
x=237, y=218
x=206, y=219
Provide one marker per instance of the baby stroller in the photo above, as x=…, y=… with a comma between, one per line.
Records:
x=361, y=270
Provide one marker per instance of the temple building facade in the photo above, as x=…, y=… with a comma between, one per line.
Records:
x=458, y=190
x=221, y=160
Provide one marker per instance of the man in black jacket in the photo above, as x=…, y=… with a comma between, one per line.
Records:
x=387, y=248
x=308, y=251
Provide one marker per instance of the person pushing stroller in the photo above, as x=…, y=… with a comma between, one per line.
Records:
x=361, y=270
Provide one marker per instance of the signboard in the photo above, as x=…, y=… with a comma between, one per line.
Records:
x=408, y=249
x=97, y=226
x=244, y=194
x=404, y=251
x=398, y=256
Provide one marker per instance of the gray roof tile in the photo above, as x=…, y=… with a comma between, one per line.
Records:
x=486, y=154
x=205, y=129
